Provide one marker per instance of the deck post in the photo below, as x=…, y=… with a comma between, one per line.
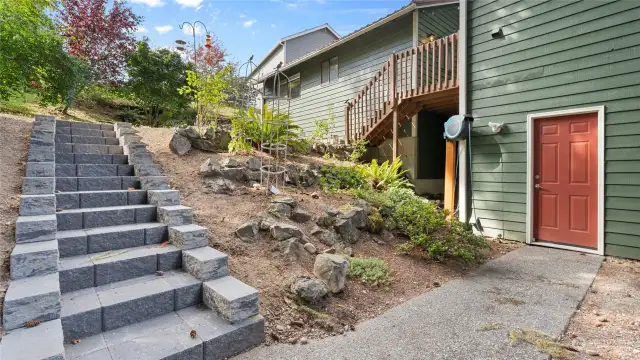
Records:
x=450, y=178
x=394, y=103
x=346, y=123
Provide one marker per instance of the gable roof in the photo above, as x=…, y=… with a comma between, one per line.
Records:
x=293, y=36
x=405, y=10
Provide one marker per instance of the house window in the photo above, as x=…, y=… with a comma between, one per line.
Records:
x=329, y=70
x=283, y=89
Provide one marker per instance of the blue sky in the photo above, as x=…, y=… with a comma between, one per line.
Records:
x=252, y=27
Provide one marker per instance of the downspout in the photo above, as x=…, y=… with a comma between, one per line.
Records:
x=462, y=109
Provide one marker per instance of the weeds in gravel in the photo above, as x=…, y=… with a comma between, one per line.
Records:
x=373, y=271
x=312, y=312
x=543, y=342
x=491, y=326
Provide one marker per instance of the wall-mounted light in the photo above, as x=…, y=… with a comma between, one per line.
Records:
x=497, y=33
x=428, y=38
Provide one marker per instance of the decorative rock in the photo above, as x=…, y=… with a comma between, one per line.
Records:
x=332, y=270
x=233, y=173
x=326, y=221
x=299, y=215
x=228, y=162
x=346, y=230
x=292, y=249
x=284, y=200
x=267, y=222
x=248, y=232
x=308, y=289
x=331, y=211
x=357, y=216
x=311, y=249
x=253, y=164
x=592, y=353
x=280, y=210
x=189, y=132
x=326, y=237
x=282, y=231
x=220, y=186
x=209, y=168
x=316, y=230
x=179, y=144
x=254, y=176
x=315, y=195
x=363, y=205
x=303, y=341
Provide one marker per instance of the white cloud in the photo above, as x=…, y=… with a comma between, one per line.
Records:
x=249, y=23
x=163, y=29
x=242, y=16
x=292, y=5
x=150, y=3
x=214, y=15
x=141, y=29
x=273, y=26
x=189, y=30
x=198, y=8
x=189, y=3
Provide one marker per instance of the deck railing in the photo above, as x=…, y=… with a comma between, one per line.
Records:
x=413, y=72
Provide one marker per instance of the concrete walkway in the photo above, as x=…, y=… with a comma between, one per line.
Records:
x=532, y=287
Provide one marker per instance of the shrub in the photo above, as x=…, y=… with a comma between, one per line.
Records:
x=376, y=222
x=385, y=175
x=359, y=149
x=336, y=178
x=370, y=270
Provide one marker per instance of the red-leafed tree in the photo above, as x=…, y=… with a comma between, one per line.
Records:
x=104, y=37
x=210, y=58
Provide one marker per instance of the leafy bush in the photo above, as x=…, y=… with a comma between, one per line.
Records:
x=370, y=270
x=247, y=132
x=359, y=149
x=376, y=222
x=385, y=175
x=336, y=178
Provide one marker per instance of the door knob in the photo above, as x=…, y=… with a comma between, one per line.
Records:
x=537, y=186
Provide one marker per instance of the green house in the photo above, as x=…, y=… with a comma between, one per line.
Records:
x=553, y=87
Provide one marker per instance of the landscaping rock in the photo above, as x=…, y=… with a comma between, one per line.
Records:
x=281, y=231
x=316, y=230
x=308, y=289
x=363, y=205
x=347, y=231
x=357, y=216
x=230, y=163
x=284, y=200
x=266, y=222
x=326, y=221
x=254, y=176
x=327, y=237
x=331, y=211
x=292, y=249
x=332, y=270
x=209, y=168
x=248, y=232
x=280, y=210
x=311, y=249
x=189, y=132
x=292, y=176
x=218, y=139
x=179, y=144
x=231, y=173
x=253, y=164
x=299, y=215
x=219, y=186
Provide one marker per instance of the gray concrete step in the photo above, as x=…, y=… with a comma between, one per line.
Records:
x=91, y=199
x=96, y=183
x=88, y=148
x=88, y=218
x=232, y=299
x=61, y=124
x=87, y=271
x=89, y=241
x=71, y=158
x=88, y=170
x=90, y=311
x=85, y=132
x=168, y=337
x=41, y=342
x=81, y=139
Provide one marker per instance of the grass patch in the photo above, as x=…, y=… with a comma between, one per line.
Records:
x=490, y=326
x=373, y=271
x=543, y=342
x=312, y=312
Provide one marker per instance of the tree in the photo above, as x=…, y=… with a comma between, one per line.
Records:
x=210, y=59
x=104, y=37
x=27, y=42
x=63, y=79
x=154, y=79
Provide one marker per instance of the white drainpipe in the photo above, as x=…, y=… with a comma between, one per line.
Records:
x=462, y=109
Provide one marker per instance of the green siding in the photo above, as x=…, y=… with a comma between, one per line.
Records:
x=358, y=61
x=555, y=55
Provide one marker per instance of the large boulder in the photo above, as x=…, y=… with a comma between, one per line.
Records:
x=233, y=173
x=332, y=270
x=299, y=215
x=189, y=132
x=347, y=230
x=279, y=210
x=357, y=216
x=210, y=168
x=331, y=211
x=229, y=162
x=281, y=231
x=292, y=249
x=213, y=140
x=284, y=200
x=309, y=289
x=326, y=237
x=219, y=186
x=248, y=232
x=254, y=163
x=179, y=144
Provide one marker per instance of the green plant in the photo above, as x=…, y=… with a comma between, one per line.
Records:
x=336, y=178
x=323, y=127
x=376, y=222
x=63, y=80
x=359, y=149
x=247, y=131
x=370, y=270
x=385, y=175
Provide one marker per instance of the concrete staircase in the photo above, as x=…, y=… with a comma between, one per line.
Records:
x=105, y=254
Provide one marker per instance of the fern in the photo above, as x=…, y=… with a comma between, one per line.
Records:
x=385, y=175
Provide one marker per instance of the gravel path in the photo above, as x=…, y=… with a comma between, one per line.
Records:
x=470, y=318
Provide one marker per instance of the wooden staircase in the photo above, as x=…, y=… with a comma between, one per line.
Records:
x=422, y=77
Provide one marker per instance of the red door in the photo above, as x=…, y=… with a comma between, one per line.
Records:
x=566, y=180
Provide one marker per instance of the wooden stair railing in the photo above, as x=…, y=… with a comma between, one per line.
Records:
x=407, y=74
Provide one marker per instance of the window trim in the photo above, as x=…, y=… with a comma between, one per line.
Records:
x=330, y=80
x=287, y=81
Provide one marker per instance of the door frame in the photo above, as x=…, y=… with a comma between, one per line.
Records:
x=530, y=171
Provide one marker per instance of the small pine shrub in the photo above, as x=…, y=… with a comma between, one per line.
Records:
x=373, y=271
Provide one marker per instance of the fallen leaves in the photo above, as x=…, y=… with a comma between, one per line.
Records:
x=163, y=244
x=32, y=323
x=193, y=334
x=131, y=188
x=75, y=341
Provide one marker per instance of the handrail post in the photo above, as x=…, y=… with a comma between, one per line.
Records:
x=394, y=102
